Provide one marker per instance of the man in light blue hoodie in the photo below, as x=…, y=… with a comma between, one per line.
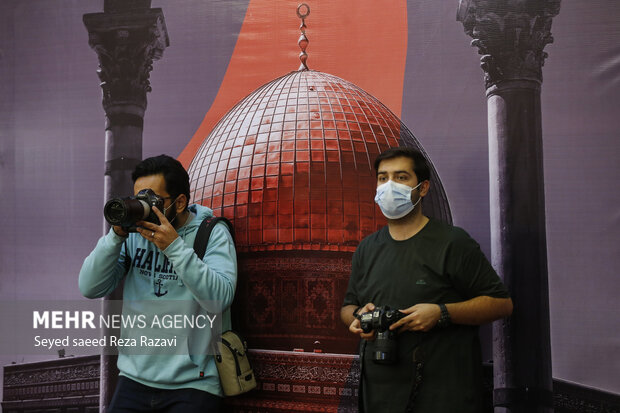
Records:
x=158, y=262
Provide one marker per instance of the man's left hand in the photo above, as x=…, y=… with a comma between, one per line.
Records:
x=421, y=317
x=161, y=235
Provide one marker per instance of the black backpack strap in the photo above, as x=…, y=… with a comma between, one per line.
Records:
x=204, y=232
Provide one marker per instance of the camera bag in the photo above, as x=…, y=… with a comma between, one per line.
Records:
x=231, y=358
x=236, y=374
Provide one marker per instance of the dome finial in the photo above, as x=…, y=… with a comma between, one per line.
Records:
x=303, y=40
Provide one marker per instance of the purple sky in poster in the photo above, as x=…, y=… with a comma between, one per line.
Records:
x=51, y=146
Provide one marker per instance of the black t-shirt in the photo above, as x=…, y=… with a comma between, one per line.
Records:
x=440, y=264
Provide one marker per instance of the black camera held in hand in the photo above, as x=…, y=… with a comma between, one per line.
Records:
x=380, y=320
x=125, y=212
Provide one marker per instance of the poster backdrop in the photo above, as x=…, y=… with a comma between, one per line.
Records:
x=411, y=55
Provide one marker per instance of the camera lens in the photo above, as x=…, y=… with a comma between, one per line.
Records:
x=385, y=351
x=115, y=211
x=125, y=212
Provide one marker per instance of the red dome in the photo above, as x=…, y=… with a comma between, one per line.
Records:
x=291, y=165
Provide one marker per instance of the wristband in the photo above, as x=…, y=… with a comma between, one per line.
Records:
x=355, y=314
x=444, y=319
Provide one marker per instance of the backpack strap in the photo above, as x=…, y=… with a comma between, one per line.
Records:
x=204, y=232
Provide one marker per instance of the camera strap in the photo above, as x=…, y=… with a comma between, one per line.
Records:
x=128, y=259
x=360, y=390
x=418, y=367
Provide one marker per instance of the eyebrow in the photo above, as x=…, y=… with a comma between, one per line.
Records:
x=396, y=172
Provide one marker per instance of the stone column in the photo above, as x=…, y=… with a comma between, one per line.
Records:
x=511, y=35
x=127, y=37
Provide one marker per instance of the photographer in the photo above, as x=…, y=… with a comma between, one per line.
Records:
x=437, y=276
x=158, y=262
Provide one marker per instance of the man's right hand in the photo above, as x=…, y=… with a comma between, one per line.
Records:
x=355, y=326
x=119, y=231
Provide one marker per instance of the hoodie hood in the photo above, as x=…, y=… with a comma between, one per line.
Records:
x=199, y=213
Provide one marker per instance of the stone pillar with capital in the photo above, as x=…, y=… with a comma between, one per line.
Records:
x=511, y=35
x=127, y=37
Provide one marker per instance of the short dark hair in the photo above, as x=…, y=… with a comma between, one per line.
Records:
x=175, y=176
x=420, y=165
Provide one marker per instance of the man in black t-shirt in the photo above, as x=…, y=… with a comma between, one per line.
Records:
x=439, y=278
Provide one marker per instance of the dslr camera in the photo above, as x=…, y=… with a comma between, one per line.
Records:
x=125, y=212
x=380, y=320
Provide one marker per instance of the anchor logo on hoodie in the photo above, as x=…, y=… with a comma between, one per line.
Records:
x=158, y=291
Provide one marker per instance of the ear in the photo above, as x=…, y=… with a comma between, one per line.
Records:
x=425, y=187
x=181, y=203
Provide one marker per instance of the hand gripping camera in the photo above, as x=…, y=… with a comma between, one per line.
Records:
x=380, y=320
x=125, y=212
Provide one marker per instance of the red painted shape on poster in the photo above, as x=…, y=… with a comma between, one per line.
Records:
x=364, y=42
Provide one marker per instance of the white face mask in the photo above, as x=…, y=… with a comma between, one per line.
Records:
x=168, y=207
x=394, y=199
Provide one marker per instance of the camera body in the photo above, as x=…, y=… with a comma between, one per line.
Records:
x=380, y=320
x=125, y=212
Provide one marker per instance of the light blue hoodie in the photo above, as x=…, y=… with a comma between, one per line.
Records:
x=174, y=274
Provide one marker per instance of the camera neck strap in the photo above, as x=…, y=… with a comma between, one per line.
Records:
x=418, y=367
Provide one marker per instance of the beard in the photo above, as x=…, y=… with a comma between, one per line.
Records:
x=171, y=214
